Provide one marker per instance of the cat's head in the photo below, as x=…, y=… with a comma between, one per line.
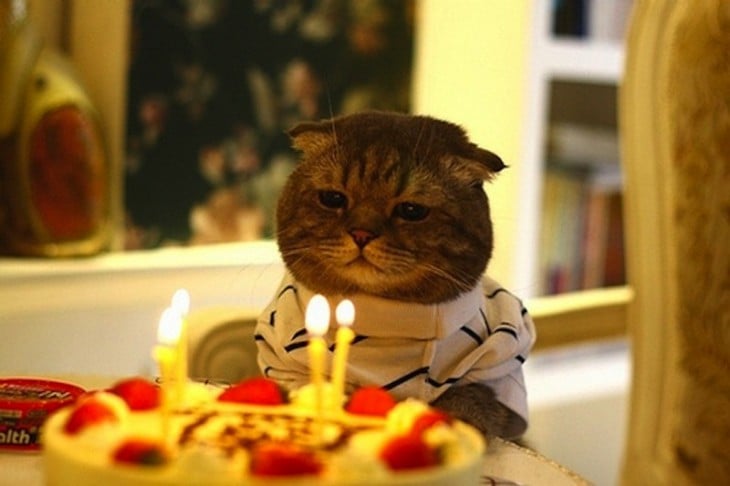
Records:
x=389, y=205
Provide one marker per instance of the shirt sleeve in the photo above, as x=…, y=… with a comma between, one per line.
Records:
x=497, y=362
x=281, y=338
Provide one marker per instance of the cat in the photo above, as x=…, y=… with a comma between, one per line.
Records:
x=389, y=210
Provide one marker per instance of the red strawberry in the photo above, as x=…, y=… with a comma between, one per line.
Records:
x=88, y=412
x=140, y=451
x=371, y=400
x=408, y=451
x=283, y=459
x=260, y=391
x=140, y=394
x=428, y=419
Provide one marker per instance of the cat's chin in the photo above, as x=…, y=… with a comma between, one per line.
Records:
x=365, y=278
x=356, y=277
x=362, y=264
x=361, y=276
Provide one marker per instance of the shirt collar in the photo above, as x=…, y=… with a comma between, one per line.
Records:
x=379, y=317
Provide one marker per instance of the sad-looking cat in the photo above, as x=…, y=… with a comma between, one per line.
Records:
x=389, y=211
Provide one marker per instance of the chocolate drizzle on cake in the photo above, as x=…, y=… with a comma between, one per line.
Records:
x=233, y=430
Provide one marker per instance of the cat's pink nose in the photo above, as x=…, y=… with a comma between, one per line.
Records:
x=362, y=237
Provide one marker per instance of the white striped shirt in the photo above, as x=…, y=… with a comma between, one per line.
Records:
x=409, y=349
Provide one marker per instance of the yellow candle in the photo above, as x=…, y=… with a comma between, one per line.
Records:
x=345, y=315
x=163, y=356
x=316, y=320
x=168, y=334
x=180, y=305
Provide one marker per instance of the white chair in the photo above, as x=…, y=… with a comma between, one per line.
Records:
x=675, y=132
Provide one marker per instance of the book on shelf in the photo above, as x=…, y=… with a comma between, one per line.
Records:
x=587, y=146
x=603, y=245
x=581, y=236
x=614, y=267
x=607, y=19
x=595, y=20
x=560, y=231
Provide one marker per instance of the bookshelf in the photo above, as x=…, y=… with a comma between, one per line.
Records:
x=578, y=65
x=498, y=69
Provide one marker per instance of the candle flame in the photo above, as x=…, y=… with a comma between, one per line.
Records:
x=317, y=316
x=181, y=302
x=345, y=313
x=170, y=327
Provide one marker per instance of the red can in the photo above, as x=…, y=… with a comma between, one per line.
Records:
x=24, y=405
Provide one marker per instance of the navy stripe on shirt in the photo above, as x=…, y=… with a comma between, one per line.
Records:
x=436, y=384
x=486, y=322
x=472, y=334
x=405, y=378
x=358, y=338
x=287, y=289
x=495, y=292
x=508, y=329
x=293, y=346
x=355, y=340
x=301, y=332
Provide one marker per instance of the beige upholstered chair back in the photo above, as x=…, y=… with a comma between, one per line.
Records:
x=675, y=129
x=221, y=344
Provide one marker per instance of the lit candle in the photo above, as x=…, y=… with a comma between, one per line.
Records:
x=180, y=304
x=165, y=353
x=316, y=320
x=345, y=315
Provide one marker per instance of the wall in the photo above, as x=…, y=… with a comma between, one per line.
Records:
x=474, y=71
x=100, y=315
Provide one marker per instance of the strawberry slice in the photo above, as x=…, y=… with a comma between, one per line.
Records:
x=428, y=419
x=89, y=411
x=139, y=393
x=283, y=459
x=408, y=451
x=370, y=400
x=140, y=451
x=259, y=391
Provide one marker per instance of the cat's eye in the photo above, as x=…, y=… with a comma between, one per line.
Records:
x=332, y=199
x=410, y=211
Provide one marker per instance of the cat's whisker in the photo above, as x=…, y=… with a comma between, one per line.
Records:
x=461, y=284
x=418, y=140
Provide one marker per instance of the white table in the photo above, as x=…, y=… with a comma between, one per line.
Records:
x=505, y=463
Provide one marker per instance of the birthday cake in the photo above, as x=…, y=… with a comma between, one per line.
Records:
x=253, y=433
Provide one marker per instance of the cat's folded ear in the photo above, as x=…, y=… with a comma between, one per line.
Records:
x=312, y=136
x=476, y=163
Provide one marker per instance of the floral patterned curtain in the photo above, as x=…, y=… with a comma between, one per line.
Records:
x=214, y=85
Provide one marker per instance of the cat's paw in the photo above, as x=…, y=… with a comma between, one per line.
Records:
x=477, y=405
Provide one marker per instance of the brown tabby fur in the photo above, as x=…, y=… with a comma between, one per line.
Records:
x=379, y=161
